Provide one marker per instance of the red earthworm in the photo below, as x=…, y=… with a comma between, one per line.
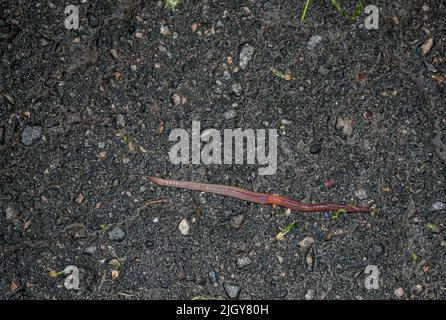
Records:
x=256, y=197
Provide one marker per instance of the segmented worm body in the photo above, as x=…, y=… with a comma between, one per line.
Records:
x=256, y=197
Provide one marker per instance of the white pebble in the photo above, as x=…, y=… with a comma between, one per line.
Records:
x=184, y=227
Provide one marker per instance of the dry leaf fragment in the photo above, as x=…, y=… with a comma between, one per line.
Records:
x=283, y=76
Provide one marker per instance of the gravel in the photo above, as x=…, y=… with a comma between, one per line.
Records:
x=117, y=234
x=361, y=194
x=184, y=227
x=306, y=242
x=212, y=277
x=309, y=295
x=232, y=290
x=120, y=121
x=399, y=293
x=31, y=135
x=236, y=88
x=314, y=41
x=230, y=114
x=176, y=99
x=90, y=250
x=245, y=56
x=397, y=124
x=243, y=262
x=437, y=206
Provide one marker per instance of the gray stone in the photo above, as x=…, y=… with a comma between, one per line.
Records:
x=399, y=292
x=345, y=124
x=309, y=295
x=437, y=206
x=314, y=41
x=184, y=227
x=117, y=234
x=120, y=121
x=306, y=242
x=232, y=290
x=226, y=75
x=101, y=145
x=230, y=114
x=90, y=250
x=245, y=56
x=243, y=262
x=236, y=88
x=361, y=194
x=31, y=135
x=212, y=277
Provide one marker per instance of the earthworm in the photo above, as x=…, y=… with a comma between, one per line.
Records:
x=256, y=197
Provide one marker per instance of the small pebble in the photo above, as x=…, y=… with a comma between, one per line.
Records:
x=31, y=135
x=184, y=227
x=245, y=56
x=80, y=198
x=101, y=145
x=437, y=206
x=418, y=288
x=243, y=262
x=309, y=295
x=306, y=242
x=399, y=293
x=176, y=99
x=427, y=45
x=117, y=234
x=236, y=89
x=345, y=125
x=43, y=42
x=230, y=114
x=231, y=290
x=90, y=250
x=226, y=75
x=120, y=121
x=279, y=258
x=361, y=194
x=314, y=41
x=212, y=277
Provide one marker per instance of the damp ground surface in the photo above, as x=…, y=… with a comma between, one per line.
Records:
x=86, y=114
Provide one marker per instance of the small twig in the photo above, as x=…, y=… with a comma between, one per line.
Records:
x=125, y=294
x=153, y=202
x=102, y=280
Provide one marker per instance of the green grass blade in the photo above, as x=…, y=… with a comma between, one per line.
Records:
x=304, y=11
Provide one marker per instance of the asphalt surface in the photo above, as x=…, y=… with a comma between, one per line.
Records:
x=86, y=114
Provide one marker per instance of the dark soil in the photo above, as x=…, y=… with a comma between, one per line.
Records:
x=104, y=125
